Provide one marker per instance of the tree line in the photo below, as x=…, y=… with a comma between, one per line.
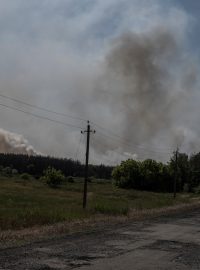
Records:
x=147, y=175
x=36, y=165
x=151, y=175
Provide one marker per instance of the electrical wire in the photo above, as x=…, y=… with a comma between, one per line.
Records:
x=78, y=148
x=77, y=118
x=110, y=133
x=42, y=108
x=107, y=133
x=112, y=150
x=131, y=145
x=39, y=116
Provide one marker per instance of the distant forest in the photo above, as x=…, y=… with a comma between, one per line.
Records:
x=35, y=165
x=147, y=175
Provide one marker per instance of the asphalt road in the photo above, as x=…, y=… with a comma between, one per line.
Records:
x=163, y=243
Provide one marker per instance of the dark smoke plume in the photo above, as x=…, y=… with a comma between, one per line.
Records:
x=148, y=80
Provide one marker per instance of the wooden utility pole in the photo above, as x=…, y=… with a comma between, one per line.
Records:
x=88, y=131
x=176, y=171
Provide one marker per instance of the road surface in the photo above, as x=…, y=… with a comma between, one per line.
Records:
x=171, y=242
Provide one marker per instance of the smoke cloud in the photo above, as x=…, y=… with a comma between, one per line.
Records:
x=150, y=81
x=127, y=65
x=15, y=143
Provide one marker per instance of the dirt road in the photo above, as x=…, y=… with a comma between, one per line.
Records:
x=163, y=243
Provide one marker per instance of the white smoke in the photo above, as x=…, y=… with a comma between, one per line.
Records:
x=15, y=143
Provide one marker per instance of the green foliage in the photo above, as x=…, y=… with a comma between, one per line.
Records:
x=7, y=171
x=25, y=176
x=35, y=165
x=14, y=172
x=127, y=175
x=147, y=175
x=155, y=176
x=33, y=203
x=53, y=177
x=113, y=209
x=183, y=169
x=195, y=171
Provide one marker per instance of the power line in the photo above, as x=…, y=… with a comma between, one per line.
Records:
x=110, y=133
x=75, y=118
x=132, y=145
x=126, y=156
x=102, y=158
x=105, y=146
x=112, y=150
x=104, y=161
x=42, y=108
x=78, y=148
x=40, y=116
x=82, y=154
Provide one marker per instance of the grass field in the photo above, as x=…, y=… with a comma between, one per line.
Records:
x=25, y=203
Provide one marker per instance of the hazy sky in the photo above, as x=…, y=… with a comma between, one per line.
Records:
x=54, y=54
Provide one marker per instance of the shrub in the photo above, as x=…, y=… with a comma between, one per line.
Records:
x=53, y=177
x=14, y=172
x=7, y=171
x=25, y=176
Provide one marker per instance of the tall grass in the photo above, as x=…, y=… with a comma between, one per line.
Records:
x=25, y=203
x=109, y=208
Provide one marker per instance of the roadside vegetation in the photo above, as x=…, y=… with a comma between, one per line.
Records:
x=30, y=196
x=29, y=202
x=151, y=175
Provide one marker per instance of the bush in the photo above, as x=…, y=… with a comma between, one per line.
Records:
x=25, y=176
x=7, y=171
x=53, y=177
x=14, y=172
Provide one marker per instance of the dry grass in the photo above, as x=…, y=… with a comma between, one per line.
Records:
x=31, y=210
x=18, y=237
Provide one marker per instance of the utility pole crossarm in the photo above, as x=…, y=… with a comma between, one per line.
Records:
x=88, y=131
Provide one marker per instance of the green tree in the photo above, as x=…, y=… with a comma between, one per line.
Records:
x=147, y=175
x=195, y=171
x=53, y=177
x=183, y=169
x=151, y=172
x=127, y=174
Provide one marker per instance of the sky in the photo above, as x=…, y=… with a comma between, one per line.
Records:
x=69, y=56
